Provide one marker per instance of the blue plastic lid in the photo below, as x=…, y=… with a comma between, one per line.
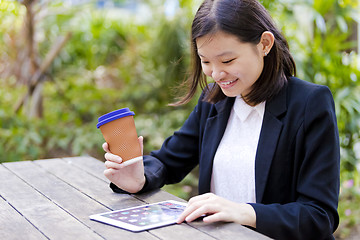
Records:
x=111, y=116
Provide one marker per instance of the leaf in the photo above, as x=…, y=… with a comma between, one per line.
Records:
x=342, y=24
x=320, y=23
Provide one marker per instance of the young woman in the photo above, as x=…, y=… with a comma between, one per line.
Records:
x=266, y=142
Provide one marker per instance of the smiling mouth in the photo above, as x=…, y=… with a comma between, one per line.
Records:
x=225, y=83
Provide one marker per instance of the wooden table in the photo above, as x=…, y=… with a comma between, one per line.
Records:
x=52, y=199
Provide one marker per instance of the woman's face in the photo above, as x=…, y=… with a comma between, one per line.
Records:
x=235, y=66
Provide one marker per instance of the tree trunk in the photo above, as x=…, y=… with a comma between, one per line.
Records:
x=33, y=103
x=32, y=71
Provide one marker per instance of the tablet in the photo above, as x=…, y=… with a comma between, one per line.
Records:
x=143, y=217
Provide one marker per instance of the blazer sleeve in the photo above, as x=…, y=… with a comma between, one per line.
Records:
x=313, y=214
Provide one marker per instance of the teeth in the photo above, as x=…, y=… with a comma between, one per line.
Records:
x=227, y=83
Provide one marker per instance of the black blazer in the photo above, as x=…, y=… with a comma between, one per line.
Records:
x=296, y=166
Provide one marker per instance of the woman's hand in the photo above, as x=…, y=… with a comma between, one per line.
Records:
x=218, y=209
x=129, y=178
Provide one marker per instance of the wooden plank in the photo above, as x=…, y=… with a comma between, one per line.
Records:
x=217, y=230
x=14, y=226
x=90, y=185
x=87, y=184
x=181, y=232
x=71, y=200
x=90, y=165
x=96, y=167
x=67, y=191
x=157, y=196
x=50, y=219
x=228, y=231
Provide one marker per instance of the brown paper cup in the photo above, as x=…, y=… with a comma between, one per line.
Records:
x=118, y=129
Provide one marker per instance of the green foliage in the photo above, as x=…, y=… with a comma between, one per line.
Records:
x=109, y=63
x=19, y=137
x=324, y=55
x=348, y=208
x=319, y=34
x=96, y=38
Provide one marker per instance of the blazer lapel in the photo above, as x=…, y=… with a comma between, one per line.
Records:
x=269, y=135
x=214, y=130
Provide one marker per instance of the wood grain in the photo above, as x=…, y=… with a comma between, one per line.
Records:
x=53, y=199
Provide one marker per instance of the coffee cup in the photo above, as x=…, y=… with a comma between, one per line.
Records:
x=118, y=129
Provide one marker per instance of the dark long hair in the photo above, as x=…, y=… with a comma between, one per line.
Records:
x=248, y=20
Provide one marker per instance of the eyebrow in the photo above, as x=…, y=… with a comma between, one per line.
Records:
x=220, y=55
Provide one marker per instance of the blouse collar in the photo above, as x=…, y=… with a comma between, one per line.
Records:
x=243, y=110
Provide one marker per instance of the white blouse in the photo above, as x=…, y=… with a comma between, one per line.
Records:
x=233, y=174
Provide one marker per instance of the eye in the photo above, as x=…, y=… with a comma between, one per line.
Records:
x=229, y=61
x=204, y=62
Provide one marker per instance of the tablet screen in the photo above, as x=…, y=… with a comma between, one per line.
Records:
x=143, y=217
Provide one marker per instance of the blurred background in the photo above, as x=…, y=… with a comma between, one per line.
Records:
x=65, y=63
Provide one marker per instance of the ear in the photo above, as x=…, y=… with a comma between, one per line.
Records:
x=266, y=42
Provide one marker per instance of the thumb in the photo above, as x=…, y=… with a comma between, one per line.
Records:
x=141, y=142
x=105, y=146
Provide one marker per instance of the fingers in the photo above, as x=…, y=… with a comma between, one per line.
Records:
x=197, y=207
x=113, y=158
x=113, y=165
x=196, y=213
x=216, y=209
x=141, y=142
x=217, y=217
x=201, y=197
x=115, y=161
x=105, y=146
x=109, y=172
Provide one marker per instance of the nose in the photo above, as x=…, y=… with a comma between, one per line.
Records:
x=217, y=75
